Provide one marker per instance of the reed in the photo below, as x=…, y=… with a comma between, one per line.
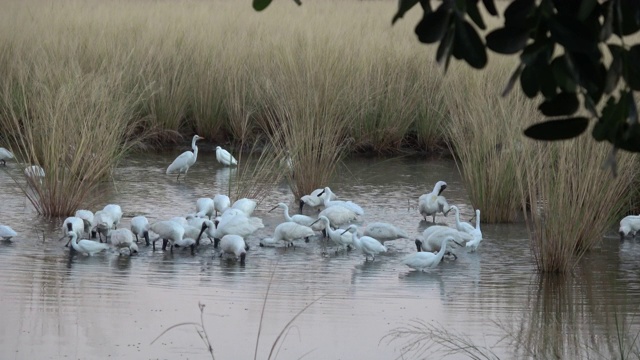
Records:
x=485, y=134
x=573, y=199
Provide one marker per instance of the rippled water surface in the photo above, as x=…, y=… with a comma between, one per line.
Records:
x=57, y=306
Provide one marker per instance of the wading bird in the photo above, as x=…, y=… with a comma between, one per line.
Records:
x=121, y=239
x=5, y=155
x=140, y=227
x=87, y=218
x=221, y=203
x=460, y=225
x=103, y=223
x=183, y=162
x=629, y=225
x=315, y=199
x=6, y=233
x=247, y=206
x=85, y=247
x=169, y=231
x=205, y=207
x=224, y=157
x=433, y=202
x=235, y=245
x=433, y=235
x=288, y=232
x=421, y=260
x=72, y=223
x=339, y=237
x=299, y=218
x=368, y=245
x=338, y=215
x=382, y=232
x=115, y=211
x=328, y=202
x=472, y=245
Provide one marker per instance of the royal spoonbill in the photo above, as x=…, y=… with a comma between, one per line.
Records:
x=86, y=247
x=233, y=224
x=6, y=233
x=315, y=199
x=339, y=237
x=5, y=155
x=247, y=206
x=102, y=223
x=140, y=227
x=327, y=202
x=169, y=231
x=434, y=202
x=205, y=207
x=299, y=218
x=288, y=232
x=122, y=238
x=221, y=203
x=421, y=260
x=366, y=244
x=180, y=220
x=116, y=213
x=224, y=157
x=629, y=225
x=235, y=245
x=472, y=245
x=87, y=218
x=460, y=225
x=72, y=223
x=433, y=235
x=382, y=232
x=338, y=215
x=186, y=160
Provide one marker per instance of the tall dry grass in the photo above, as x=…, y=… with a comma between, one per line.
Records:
x=573, y=200
x=485, y=134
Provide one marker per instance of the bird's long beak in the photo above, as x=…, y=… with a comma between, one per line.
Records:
x=315, y=222
x=457, y=243
x=301, y=206
x=344, y=232
x=442, y=189
x=273, y=208
x=320, y=194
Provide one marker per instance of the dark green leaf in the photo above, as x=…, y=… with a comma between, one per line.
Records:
x=547, y=81
x=565, y=78
x=491, y=7
x=586, y=7
x=626, y=20
x=433, y=25
x=512, y=80
x=507, y=40
x=260, y=5
x=529, y=81
x=562, y=129
x=403, y=7
x=613, y=122
x=561, y=104
x=445, y=48
x=540, y=50
x=468, y=41
x=517, y=12
x=572, y=34
x=474, y=13
x=607, y=26
x=632, y=67
x=615, y=68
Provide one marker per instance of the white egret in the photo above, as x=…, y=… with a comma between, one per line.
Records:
x=299, y=218
x=169, y=231
x=235, y=245
x=87, y=218
x=86, y=247
x=366, y=244
x=205, y=207
x=122, y=238
x=382, y=231
x=472, y=245
x=247, y=206
x=288, y=232
x=5, y=155
x=224, y=157
x=421, y=260
x=34, y=171
x=230, y=224
x=327, y=202
x=186, y=160
x=116, y=213
x=629, y=225
x=72, y=223
x=460, y=225
x=315, y=199
x=338, y=215
x=6, y=233
x=102, y=223
x=140, y=227
x=433, y=202
x=339, y=237
x=433, y=235
x=221, y=203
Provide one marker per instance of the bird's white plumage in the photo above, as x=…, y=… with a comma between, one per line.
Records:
x=299, y=218
x=103, y=222
x=421, y=260
x=116, y=213
x=224, y=157
x=5, y=155
x=433, y=235
x=140, y=227
x=432, y=203
x=247, y=206
x=368, y=245
x=185, y=160
x=382, y=231
x=473, y=244
x=235, y=245
x=315, y=199
x=339, y=215
x=77, y=225
x=123, y=238
x=221, y=203
x=87, y=218
x=629, y=225
x=6, y=232
x=288, y=232
x=180, y=220
x=205, y=207
x=328, y=202
x=168, y=230
x=86, y=247
x=234, y=224
x=341, y=238
x=34, y=171
x=461, y=225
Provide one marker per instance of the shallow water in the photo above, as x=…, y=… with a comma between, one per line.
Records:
x=57, y=306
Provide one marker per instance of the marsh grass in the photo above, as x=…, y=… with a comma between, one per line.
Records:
x=257, y=174
x=485, y=134
x=75, y=127
x=573, y=199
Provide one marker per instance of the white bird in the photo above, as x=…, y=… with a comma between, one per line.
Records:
x=247, y=206
x=224, y=157
x=232, y=224
x=180, y=220
x=421, y=260
x=102, y=223
x=460, y=225
x=186, y=242
x=234, y=244
x=382, y=232
x=472, y=245
x=339, y=237
x=34, y=171
x=629, y=225
x=338, y=215
x=432, y=203
x=315, y=199
x=72, y=223
x=433, y=235
x=288, y=232
x=327, y=202
x=87, y=218
x=116, y=213
x=140, y=227
x=299, y=218
x=169, y=231
x=205, y=207
x=6, y=232
x=183, y=162
x=221, y=203
x=366, y=244
x=123, y=238
x=5, y=155
x=86, y=247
